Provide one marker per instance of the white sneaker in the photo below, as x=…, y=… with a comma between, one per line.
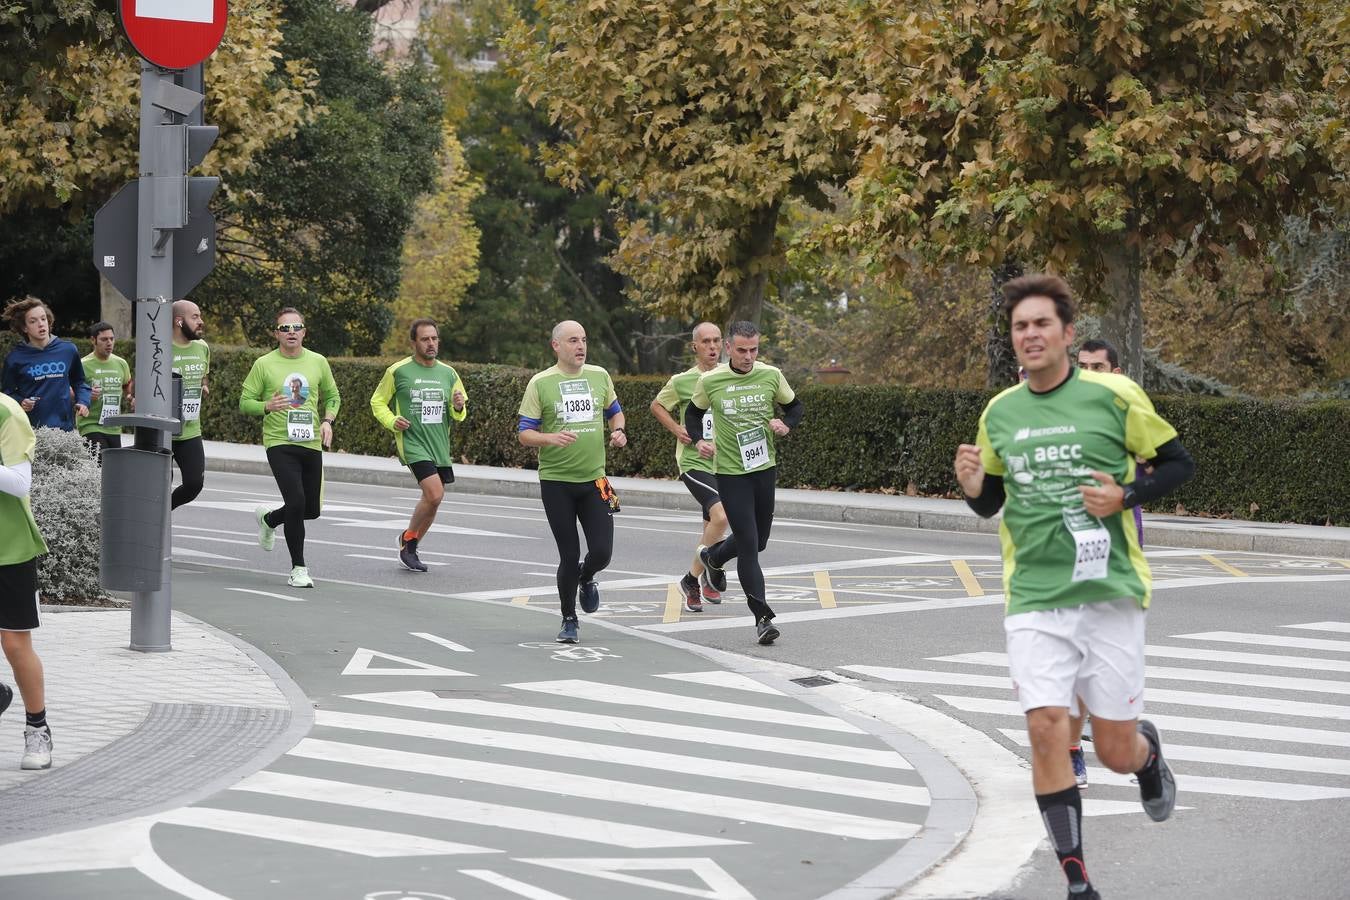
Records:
x=37, y=748
x=267, y=535
x=300, y=577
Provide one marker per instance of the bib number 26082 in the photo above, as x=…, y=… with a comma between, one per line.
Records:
x=1092, y=545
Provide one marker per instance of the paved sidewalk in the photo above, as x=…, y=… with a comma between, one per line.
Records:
x=830, y=506
x=184, y=720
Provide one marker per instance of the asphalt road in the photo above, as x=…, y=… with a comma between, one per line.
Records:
x=1250, y=668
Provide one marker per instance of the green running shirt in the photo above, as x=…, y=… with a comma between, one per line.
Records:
x=308, y=381
x=1044, y=446
x=577, y=403
x=674, y=396
x=111, y=376
x=424, y=396
x=20, y=539
x=741, y=406
x=193, y=362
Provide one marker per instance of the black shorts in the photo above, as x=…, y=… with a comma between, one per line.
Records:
x=19, y=596
x=423, y=469
x=703, y=485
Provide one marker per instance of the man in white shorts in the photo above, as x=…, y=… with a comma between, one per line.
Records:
x=1060, y=448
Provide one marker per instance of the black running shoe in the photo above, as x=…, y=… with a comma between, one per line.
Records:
x=570, y=629
x=588, y=595
x=1158, y=789
x=407, y=555
x=1089, y=894
x=766, y=631
x=716, y=577
x=692, y=599
x=6, y=697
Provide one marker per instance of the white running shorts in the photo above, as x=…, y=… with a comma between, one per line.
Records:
x=1094, y=651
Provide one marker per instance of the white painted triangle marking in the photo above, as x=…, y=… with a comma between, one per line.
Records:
x=519, y=888
x=444, y=642
x=625, y=696
x=1269, y=640
x=239, y=590
x=734, y=680
x=1253, y=759
x=1324, y=626
x=361, y=665
x=340, y=838
x=721, y=886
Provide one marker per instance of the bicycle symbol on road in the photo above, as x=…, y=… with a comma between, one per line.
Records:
x=572, y=653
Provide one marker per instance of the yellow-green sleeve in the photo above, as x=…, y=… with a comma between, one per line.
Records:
x=700, y=397
x=332, y=400
x=251, y=395
x=988, y=458
x=461, y=414
x=530, y=406
x=784, y=393
x=1145, y=430
x=668, y=397
x=380, y=400
x=610, y=394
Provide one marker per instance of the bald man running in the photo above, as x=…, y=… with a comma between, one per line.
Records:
x=192, y=361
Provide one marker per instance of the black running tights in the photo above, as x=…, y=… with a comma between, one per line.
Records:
x=565, y=504
x=748, y=502
x=191, y=459
x=299, y=475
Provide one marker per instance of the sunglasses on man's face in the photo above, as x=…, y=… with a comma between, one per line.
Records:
x=291, y=327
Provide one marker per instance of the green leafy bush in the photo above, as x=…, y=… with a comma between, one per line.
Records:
x=67, y=487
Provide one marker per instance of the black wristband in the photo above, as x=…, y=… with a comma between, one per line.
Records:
x=612, y=430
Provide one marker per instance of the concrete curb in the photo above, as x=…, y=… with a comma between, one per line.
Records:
x=927, y=513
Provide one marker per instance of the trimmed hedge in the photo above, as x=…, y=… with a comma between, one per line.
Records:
x=1275, y=461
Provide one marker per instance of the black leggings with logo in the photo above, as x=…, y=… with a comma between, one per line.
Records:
x=748, y=503
x=299, y=475
x=565, y=504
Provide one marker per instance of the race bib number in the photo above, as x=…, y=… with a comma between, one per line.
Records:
x=433, y=412
x=192, y=408
x=112, y=406
x=299, y=425
x=754, y=445
x=1092, y=545
x=578, y=406
x=707, y=426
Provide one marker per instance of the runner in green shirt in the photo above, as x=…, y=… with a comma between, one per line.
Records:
x=1057, y=453
x=417, y=400
x=741, y=395
x=696, y=467
x=563, y=414
x=293, y=390
x=191, y=361
x=20, y=545
x=109, y=379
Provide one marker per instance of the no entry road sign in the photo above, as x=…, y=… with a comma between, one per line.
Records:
x=174, y=34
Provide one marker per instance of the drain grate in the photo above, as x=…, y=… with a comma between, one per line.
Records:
x=813, y=681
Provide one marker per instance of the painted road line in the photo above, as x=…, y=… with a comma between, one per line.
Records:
x=1220, y=564
x=348, y=545
x=1254, y=730
x=1166, y=673
x=1343, y=627
x=519, y=888
x=1232, y=787
x=574, y=786
x=426, y=700
x=362, y=659
x=1305, y=663
x=968, y=579
x=189, y=553
x=1251, y=759
x=604, y=692
x=719, y=885
x=674, y=602
x=521, y=600
x=718, y=678
x=699, y=766
x=927, y=676
x=444, y=642
x=339, y=838
x=472, y=812
x=239, y=590
x=1269, y=640
x=392, y=560
x=824, y=590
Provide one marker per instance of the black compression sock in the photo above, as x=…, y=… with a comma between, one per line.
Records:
x=1062, y=813
x=37, y=719
x=1149, y=776
x=689, y=579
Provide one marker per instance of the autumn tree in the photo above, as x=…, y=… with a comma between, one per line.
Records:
x=1094, y=138
x=69, y=126
x=697, y=111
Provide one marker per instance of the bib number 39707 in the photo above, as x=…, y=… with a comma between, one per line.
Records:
x=754, y=446
x=1092, y=545
x=300, y=425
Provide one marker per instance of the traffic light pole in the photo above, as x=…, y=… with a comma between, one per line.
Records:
x=151, y=610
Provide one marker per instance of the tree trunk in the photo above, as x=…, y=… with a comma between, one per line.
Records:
x=114, y=308
x=762, y=227
x=1123, y=321
x=997, y=344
